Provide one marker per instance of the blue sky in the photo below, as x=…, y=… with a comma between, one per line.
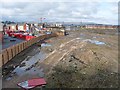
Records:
x=104, y=12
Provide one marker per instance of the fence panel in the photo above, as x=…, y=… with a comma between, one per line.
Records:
x=34, y=40
x=9, y=50
x=1, y=60
x=17, y=48
x=37, y=39
x=26, y=44
x=5, y=56
x=30, y=42
x=20, y=47
x=43, y=37
x=24, y=47
x=13, y=51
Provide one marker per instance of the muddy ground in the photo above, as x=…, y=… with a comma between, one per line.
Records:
x=82, y=59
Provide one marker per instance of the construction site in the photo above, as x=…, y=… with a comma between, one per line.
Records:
x=66, y=57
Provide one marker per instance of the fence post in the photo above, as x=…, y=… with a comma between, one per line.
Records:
x=13, y=51
x=17, y=49
x=1, y=60
x=5, y=56
x=9, y=51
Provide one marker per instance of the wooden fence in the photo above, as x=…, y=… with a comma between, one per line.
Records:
x=7, y=54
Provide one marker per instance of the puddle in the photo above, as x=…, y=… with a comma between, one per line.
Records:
x=94, y=37
x=95, y=42
x=9, y=41
x=83, y=36
x=9, y=78
x=48, y=32
x=45, y=45
x=28, y=65
x=36, y=71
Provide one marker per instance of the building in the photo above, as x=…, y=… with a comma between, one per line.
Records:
x=100, y=26
x=18, y=27
x=23, y=27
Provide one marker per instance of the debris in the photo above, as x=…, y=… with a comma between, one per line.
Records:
x=70, y=60
x=72, y=56
x=50, y=50
x=39, y=45
x=29, y=84
x=22, y=65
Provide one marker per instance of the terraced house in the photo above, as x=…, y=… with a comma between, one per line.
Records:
x=100, y=26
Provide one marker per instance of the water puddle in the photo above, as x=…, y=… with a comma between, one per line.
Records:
x=95, y=42
x=9, y=78
x=28, y=65
x=94, y=37
x=45, y=45
x=48, y=33
x=83, y=36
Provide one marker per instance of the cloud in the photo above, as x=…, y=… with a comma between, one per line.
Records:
x=7, y=1
x=69, y=11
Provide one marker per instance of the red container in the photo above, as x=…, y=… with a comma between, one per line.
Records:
x=18, y=35
x=28, y=37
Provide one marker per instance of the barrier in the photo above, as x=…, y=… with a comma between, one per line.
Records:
x=16, y=49
x=9, y=53
x=20, y=47
x=1, y=62
x=13, y=51
x=5, y=57
x=24, y=45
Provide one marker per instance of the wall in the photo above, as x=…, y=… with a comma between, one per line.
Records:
x=20, y=28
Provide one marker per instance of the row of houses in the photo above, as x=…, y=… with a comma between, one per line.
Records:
x=54, y=25
x=26, y=26
x=14, y=27
x=99, y=26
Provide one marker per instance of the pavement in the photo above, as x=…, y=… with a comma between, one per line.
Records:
x=7, y=43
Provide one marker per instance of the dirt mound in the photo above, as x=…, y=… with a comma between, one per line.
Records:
x=84, y=68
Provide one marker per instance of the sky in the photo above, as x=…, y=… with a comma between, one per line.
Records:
x=102, y=11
